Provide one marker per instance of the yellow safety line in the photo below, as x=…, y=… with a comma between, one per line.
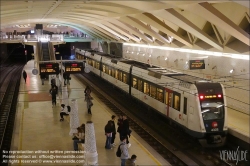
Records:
x=146, y=151
x=21, y=135
x=142, y=147
x=25, y=105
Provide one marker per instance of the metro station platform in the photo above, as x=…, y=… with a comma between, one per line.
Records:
x=39, y=135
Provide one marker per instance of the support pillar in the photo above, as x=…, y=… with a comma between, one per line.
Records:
x=91, y=155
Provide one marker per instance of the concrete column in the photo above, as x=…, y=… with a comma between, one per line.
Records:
x=91, y=155
x=65, y=99
x=74, y=119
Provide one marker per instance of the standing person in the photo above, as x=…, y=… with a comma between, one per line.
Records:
x=68, y=78
x=87, y=90
x=108, y=133
x=131, y=161
x=53, y=81
x=24, y=76
x=124, y=151
x=120, y=123
x=53, y=94
x=125, y=129
x=113, y=130
x=88, y=99
x=79, y=137
x=42, y=76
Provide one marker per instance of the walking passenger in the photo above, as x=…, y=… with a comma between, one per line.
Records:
x=131, y=161
x=53, y=81
x=89, y=99
x=24, y=76
x=124, y=151
x=113, y=130
x=108, y=133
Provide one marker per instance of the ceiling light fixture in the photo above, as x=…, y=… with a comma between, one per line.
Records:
x=201, y=52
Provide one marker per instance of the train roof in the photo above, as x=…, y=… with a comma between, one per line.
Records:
x=190, y=79
x=138, y=64
x=157, y=71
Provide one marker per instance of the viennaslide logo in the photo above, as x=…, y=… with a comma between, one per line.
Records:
x=234, y=155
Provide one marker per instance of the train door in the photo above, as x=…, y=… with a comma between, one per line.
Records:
x=184, y=112
x=168, y=100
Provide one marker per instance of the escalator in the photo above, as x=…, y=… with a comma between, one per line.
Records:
x=45, y=51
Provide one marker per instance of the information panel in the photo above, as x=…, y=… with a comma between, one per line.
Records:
x=72, y=68
x=49, y=68
x=196, y=64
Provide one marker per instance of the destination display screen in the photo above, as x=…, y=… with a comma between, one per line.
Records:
x=72, y=68
x=196, y=64
x=49, y=68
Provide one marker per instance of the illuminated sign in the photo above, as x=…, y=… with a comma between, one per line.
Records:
x=49, y=68
x=210, y=96
x=72, y=68
x=196, y=64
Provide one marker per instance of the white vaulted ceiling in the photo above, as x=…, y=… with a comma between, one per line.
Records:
x=206, y=25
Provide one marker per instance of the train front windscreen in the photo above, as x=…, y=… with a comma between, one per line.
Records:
x=212, y=110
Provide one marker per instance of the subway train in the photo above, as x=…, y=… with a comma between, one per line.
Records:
x=197, y=105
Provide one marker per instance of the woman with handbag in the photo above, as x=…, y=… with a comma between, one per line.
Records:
x=79, y=137
x=89, y=99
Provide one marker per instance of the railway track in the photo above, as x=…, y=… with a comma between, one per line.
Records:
x=10, y=89
x=174, y=145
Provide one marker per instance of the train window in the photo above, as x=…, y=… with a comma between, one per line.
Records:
x=159, y=95
x=185, y=106
x=212, y=110
x=166, y=97
x=107, y=69
x=97, y=65
x=89, y=62
x=103, y=68
x=113, y=72
x=116, y=74
x=152, y=91
x=135, y=85
x=140, y=85
x=120, y=75
x=93, y=62
x=146, y=88
x=170, y=96
x=176, y=101
x=125, y=78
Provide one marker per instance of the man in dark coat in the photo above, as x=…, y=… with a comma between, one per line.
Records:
x=125, y=129
x=113, y=130
x=53, y=94
x=24, y=76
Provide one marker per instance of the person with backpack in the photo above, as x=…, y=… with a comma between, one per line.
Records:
x=122, y=151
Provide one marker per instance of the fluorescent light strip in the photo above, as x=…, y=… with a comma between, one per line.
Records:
x=235, y=56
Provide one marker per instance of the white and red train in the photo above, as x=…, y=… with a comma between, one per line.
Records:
x=196, y=105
